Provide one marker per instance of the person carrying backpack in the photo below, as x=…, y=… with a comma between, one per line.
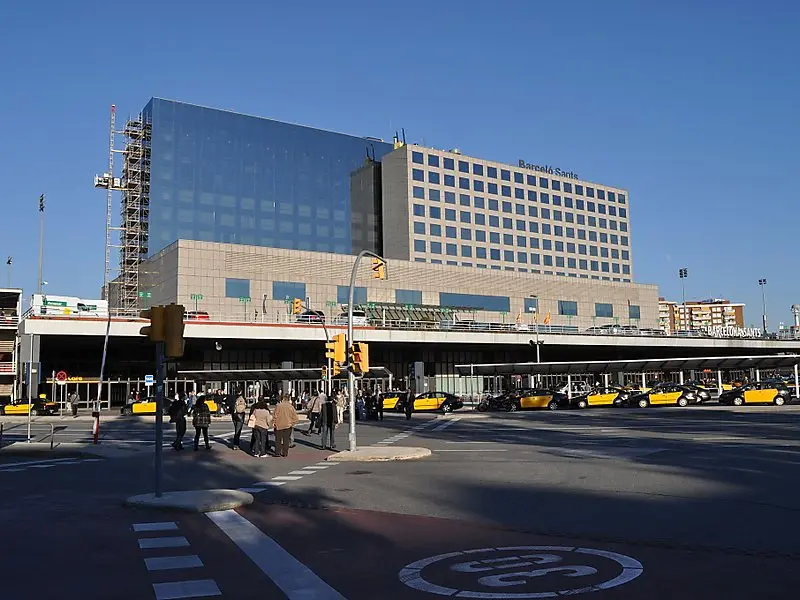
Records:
x=238, y=417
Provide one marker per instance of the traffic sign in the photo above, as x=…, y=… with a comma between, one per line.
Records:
x=149, y=380
x=521, y=572
x=61, y=377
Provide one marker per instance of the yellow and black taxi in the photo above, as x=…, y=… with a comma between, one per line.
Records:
x=391, y=399
x=434, y=401
x=143, y=406
x=602, y=396
x=758, y=392
x=537, y=398
x=40, y=406
x=664, y=394
x=703, y=390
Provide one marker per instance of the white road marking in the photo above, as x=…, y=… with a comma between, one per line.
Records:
x=197, y=588
x=167, y=563
x=270, y=483
x=286, y=478
x=317, y=467
x=159, y=526
x=326, y=464
x=446, y=424
x=468, y=442
x=164, y=542
x=30, y=463
x=302, y=472
x=251, y=490
x=295, y=579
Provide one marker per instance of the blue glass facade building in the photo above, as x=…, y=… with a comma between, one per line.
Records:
x=221, y=176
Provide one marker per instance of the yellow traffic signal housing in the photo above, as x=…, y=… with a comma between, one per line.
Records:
x=335, y=370
x=360, y=359
x=378, y=268
x=324, y=372
x=174, y=327
x=335, y=349
x=156, y=331
x=297, y=306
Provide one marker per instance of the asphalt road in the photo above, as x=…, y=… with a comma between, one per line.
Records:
x=661, y=503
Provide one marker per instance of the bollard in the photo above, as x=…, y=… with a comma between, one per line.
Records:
x=96, y=427
x=52, y=435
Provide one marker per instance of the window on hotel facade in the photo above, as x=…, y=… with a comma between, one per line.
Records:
x=433, y=160
x=408, y=296
x=434, y=195
x=281, y=290
x=450, y=180
x=417, y=174
x=634, y=312
x=556, y=185
x=419, y=245
x=433, y=177
x=491, y=172
x=359, y=294
x=602, y=309
x=449, y=164
x=568, y=308
x=491, y=303
x=436, y=247
x=239, y=288
x=416, y=157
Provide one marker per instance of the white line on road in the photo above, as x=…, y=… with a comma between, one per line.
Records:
x=160, y=526
x=468, y=442
x=251, y=490
x=30, y=463
x=168, y=563
x=302, y=472
x=164, y=542
x=186, y=589
x=317, y=467
x=295, y=579
x=286, y=478
x=269, y=483
x=446, y=424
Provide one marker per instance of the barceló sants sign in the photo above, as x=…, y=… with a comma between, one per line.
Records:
x=548, y=169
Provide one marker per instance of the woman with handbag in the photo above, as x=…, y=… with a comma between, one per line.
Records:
x=261, y=422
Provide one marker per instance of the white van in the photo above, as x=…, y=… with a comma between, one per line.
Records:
x=359, y=319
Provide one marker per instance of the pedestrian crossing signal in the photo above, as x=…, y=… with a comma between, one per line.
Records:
x=378, y=268
x=297, y=306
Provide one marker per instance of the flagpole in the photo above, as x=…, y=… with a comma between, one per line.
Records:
x=41, y=243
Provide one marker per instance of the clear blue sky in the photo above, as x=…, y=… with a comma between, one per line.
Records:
x=692, y=106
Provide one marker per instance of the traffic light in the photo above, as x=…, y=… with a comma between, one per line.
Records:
x=335, y=349
x=173, y=329
x=297, y=306
x=335, y=370
x=360, y=358
x=324, y=372
x=155, y=332
x=378, y=268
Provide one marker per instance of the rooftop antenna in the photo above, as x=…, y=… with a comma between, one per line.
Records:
x=403, y=129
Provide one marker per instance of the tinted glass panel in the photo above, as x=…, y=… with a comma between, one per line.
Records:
x=492, y=303
x=603, y=310
x=359, y=294
x=240, y=288
x=408, y=296
x=568, y=308
x=281, y=290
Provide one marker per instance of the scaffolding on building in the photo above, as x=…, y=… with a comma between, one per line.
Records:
x=134, y=184
x=134, y=209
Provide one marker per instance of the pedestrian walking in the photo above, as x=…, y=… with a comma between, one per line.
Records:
x=261, y=422
x=328, y=421
x=379, y=405
x=201, y=421
x=340, y=404
x=177, y=414
x=73, y=401
x=285, y=417
x=238, y=410
x=409, y=404
x=314, y=408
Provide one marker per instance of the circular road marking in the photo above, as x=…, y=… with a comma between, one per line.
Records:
x=520, y=572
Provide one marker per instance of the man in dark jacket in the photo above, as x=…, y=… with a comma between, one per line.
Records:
x=409, y=404
x=177, y=414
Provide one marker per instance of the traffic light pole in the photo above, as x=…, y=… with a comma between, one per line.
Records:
x=159, y=417
x=351, y=379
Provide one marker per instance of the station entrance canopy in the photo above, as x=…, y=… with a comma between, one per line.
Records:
x=304, y=374
x=377, y=312
x=713, y=363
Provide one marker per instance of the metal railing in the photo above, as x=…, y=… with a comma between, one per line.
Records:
x=281, y=318
x=52, y=435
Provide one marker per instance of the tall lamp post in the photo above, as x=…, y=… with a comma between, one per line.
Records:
x=762, y=283
x=683, y=274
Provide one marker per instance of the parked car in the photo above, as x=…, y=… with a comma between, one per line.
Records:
x=758, y=392
x=537, y=398
x=311, y=316
x=359, y=319
x=664, y=394
x=602, y=396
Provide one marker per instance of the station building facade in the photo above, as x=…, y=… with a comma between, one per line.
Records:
x=250, y=283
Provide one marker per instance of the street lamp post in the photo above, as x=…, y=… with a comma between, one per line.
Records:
x=683, y=274
x=762, y=283
x=351, y=380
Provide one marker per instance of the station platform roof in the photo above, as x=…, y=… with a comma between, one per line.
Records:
x=714, y=363
x=304, y=374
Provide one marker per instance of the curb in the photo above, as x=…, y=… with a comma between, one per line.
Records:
x=199, y=501
x=380, y=454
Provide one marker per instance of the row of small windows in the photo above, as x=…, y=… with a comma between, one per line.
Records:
x=478, y=169
x=284, y=290
x=520, y=241
x=435, y=195
x=465, y=216
x=455, y=263
x=511, y=256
